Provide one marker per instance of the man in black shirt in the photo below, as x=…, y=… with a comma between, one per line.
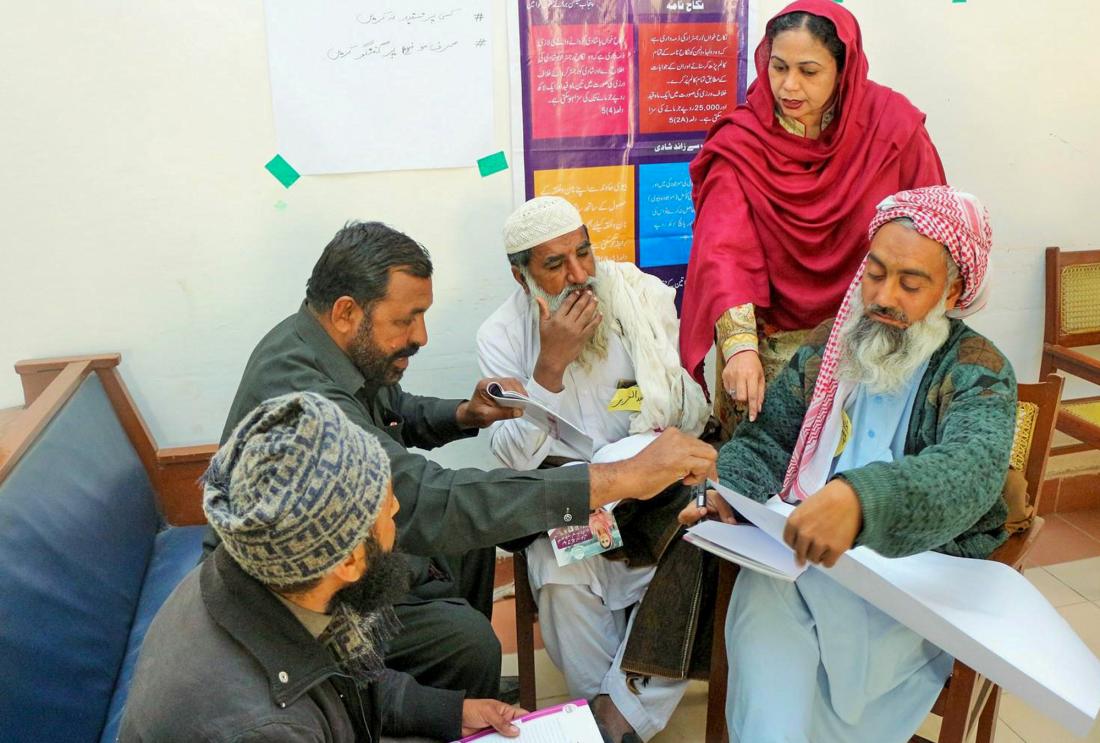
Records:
x=351, y=341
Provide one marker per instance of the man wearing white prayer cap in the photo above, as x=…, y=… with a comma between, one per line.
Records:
x=596, y=342
x=352, y=339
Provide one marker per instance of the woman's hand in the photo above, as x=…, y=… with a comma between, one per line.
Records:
x=743, y=378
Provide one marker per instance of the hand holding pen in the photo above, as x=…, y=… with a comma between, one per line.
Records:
x=706, y=503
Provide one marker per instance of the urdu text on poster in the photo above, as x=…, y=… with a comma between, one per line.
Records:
x=616, y=98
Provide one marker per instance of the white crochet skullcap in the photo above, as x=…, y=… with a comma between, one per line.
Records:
x=540, y=219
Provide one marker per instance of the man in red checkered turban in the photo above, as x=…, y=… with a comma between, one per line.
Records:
x=890, y=430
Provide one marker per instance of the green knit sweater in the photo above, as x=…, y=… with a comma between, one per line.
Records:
x=945, y=493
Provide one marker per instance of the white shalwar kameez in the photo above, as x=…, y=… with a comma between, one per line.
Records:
x=811, y=662
x=582, y=606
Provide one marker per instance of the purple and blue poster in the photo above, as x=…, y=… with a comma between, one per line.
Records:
x=617, y=97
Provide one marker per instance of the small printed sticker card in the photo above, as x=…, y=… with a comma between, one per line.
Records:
x=575, y=543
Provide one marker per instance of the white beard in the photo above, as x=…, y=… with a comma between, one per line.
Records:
x=596, y=347
x=885, y=357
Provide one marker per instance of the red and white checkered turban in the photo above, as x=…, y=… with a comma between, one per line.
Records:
x=960, y=223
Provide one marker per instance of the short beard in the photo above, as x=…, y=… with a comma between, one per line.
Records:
x=385, y=582
x=885, y=357
x=376, y=366
x=596, y=347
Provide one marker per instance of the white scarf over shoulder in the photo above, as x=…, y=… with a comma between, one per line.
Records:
x=644, y=307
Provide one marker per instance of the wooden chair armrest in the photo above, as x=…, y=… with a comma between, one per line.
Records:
x=1014, y=551
x=178, y=470
x=1074, y=362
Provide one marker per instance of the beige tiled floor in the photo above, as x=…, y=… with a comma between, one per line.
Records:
x=1072, y=587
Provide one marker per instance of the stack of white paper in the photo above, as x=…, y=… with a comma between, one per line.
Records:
x=980, y=611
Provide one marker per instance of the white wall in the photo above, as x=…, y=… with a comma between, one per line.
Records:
x=135, y=214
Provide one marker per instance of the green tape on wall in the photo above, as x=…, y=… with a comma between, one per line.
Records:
x=283, y=171
x=492, y=164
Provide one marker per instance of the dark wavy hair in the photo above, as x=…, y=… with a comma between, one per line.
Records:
x=357, y=261
x=820, y=28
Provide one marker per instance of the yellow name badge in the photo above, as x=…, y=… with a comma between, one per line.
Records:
x=626, y=399
x=845, y=434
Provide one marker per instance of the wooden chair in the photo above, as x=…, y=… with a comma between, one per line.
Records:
x=527, y=613
x=968, y=701
x=1073, y=320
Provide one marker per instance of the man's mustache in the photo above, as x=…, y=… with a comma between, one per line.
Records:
x=406, y=352
x=890, y=312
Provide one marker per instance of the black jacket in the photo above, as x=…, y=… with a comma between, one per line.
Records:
x=443, y=511
x=224, y=660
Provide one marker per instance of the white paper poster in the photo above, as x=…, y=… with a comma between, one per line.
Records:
x=982, y=612
x=367, y=85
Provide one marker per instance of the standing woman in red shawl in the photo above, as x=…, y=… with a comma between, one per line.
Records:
x=783, y=189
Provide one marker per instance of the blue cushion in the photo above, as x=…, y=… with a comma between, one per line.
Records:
x=175, y=553
x=77, y=524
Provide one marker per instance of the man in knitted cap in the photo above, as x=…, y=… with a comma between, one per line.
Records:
x=890, y=429
x=280, y=635
x=596, y=342
x=351, y=340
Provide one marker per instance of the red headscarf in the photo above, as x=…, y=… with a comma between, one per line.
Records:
x=781, y=219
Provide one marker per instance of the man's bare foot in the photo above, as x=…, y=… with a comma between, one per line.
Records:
x=611, y=721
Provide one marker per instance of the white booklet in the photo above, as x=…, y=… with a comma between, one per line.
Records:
x=747, y=546
x=557, y=427
x=571, y=722
x=982, y=612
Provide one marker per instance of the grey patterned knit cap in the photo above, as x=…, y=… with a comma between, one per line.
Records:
x=295, y=488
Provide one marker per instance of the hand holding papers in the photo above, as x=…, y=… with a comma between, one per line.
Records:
x=825, y=526
x=482, y=409
x=571, y=722
x=982, y=612
x=543, y=417
x=748, y=545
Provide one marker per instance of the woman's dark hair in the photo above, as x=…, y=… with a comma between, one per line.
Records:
x=820, y=28
x=357, y=263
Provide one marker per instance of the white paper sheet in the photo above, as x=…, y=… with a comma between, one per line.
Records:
x=980, y=611
x=381, y=85
x=746, y=545
x=555, y=426
x=624, y=448
x=571, y=722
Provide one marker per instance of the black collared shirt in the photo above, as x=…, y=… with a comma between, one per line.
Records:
x=443, y=511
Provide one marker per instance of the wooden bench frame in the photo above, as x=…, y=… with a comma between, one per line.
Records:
x=47, y=386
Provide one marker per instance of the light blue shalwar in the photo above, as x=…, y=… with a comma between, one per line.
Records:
x=810, y=660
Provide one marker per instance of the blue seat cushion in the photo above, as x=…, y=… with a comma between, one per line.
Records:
x=77, y=526
x=175, y=553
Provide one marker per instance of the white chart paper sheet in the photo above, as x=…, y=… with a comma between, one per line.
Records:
x=381, y=85
x=982, y=612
